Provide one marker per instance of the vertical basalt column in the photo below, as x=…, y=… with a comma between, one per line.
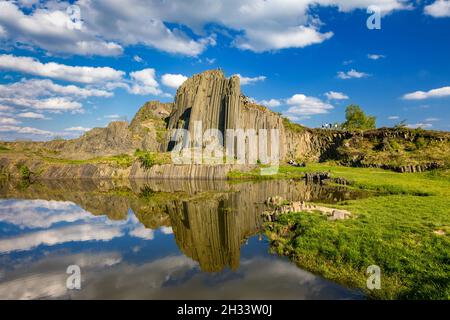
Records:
x=217, y=103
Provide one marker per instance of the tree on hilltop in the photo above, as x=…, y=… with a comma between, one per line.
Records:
x=356, y=119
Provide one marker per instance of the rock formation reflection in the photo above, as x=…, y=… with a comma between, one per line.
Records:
x=210, y=219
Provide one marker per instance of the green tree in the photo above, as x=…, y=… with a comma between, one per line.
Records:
x=356, y=119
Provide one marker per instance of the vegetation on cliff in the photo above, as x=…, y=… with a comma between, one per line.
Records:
x=396, y=148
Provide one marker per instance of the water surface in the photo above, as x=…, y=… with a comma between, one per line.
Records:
x=151, y=240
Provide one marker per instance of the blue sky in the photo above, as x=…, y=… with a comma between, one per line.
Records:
x=62, y=73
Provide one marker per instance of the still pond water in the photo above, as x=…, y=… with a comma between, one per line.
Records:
x=151, y=240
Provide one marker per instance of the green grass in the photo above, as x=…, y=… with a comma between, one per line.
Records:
x=123, y=160
x=149, y=159
x=394, y=230
x=4, y=149
x=294, y=127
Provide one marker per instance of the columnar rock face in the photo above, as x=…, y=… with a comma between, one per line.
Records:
x=208, y=97
x=170, y=171
x=216, y=102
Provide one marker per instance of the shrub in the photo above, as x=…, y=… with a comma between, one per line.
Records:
x=420, y=142
x=25, y=172
x=149, y=159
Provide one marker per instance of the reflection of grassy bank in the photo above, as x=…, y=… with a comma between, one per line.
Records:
x=403, y=231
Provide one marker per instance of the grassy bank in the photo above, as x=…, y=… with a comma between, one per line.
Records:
x=404, y=230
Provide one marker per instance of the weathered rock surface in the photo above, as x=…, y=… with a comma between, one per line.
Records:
x=173, y=171
x=44, y=171
x=217, y=103
x=279, y=208
x=317, y=177
x=146, y=132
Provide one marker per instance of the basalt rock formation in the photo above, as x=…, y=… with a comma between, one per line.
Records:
x=216, y=102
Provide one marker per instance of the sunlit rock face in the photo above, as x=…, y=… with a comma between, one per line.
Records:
x=208, y=99
x=216, y=102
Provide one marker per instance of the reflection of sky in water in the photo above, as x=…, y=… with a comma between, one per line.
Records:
x=123, y=259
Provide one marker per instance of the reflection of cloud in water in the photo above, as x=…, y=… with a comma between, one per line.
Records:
x=44, y=214
x=40, y=213
x=166, y=230
x=143, y=233
x=176, y=278
x=36, y=286
x=47, y=278
x=82, y=232
x=172, y=277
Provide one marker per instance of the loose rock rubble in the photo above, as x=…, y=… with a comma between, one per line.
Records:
x=281, y=206
x=317, y=177
x=297, y=164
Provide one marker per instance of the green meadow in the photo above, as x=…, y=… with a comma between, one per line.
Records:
x=403, y=228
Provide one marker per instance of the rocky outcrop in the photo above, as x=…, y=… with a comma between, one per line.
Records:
x=173, y=171
x=149, y=126
x=112, y=140
x=217, y=103
x=42, y=170
x=317, y=177
x=147, y=131
x=210, y=98
x=279, y=207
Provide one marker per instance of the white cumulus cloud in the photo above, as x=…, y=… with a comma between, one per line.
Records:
x=26, y=130
x=375, y=56
x=250, y=80
x=302, y=105
x=438, y=9
x=173, y=80
x=32, y=115
x=419, y=125
x=79, y=129
x=58, y=71
x=434, y=93
x=144, y=82
x=352, y=74
x=178, y=26
x=46, y=87
x=333, y=95
x=56, y=104
x=5, y=120
x=52, y=30
x=272, y=103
